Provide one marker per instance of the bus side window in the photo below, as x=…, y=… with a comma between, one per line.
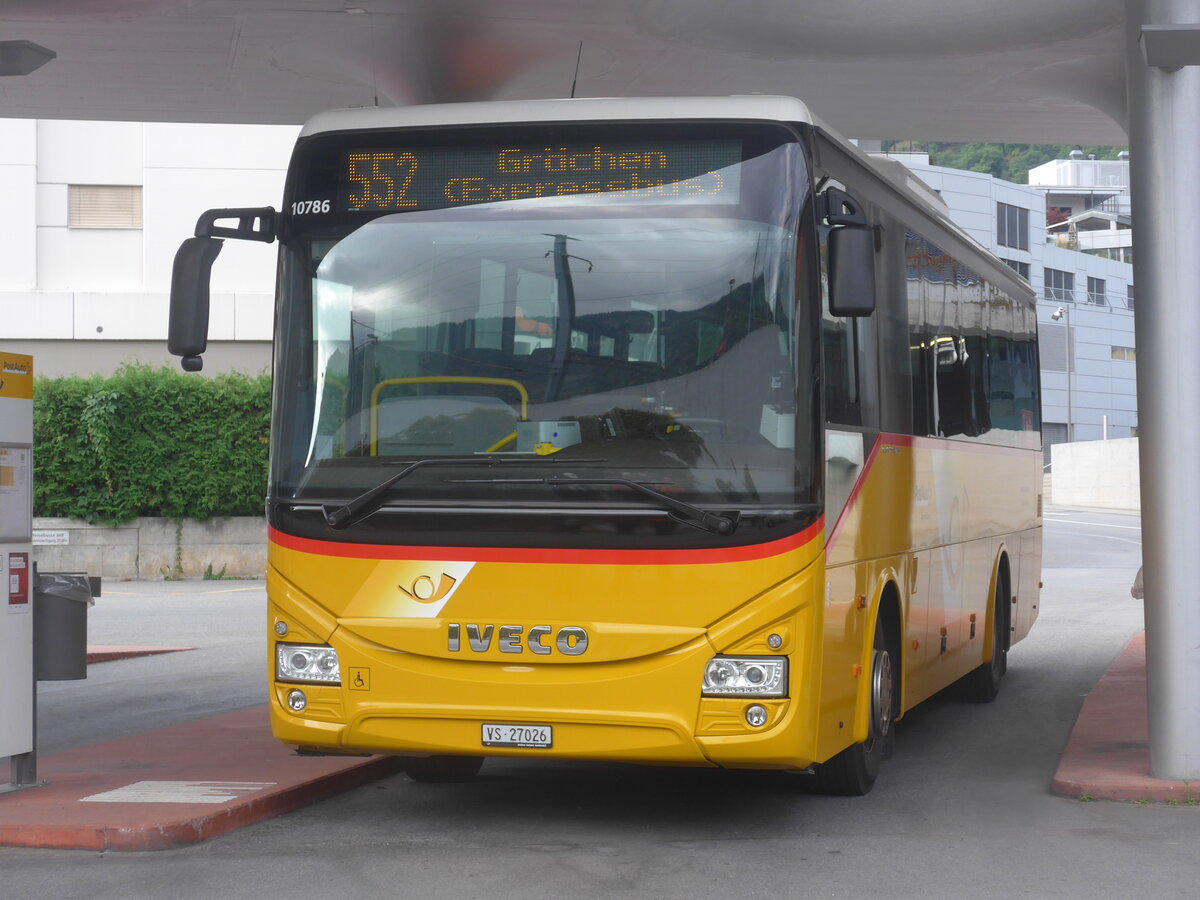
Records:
x=920, y=341
x=954, y=408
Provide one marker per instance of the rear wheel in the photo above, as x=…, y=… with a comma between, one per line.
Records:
x=852, y=772
x=982, y=684
x=443, y=769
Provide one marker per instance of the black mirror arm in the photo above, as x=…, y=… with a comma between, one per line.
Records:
x=253, y=224
x=839, y=208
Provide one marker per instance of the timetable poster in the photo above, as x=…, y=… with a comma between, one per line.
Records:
x=15, y=494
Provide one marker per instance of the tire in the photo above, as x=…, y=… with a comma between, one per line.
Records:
x=443, y=769
x=852, y=772
x=982, y=684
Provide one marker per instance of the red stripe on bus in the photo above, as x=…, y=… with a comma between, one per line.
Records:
x=550, y=554
x=862, y=479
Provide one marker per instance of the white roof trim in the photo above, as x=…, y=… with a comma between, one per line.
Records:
x=587, y=109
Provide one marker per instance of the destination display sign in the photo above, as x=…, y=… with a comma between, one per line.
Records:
x=406, y=179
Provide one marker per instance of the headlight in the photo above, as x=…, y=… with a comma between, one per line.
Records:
x=302, y=662
x=746, y=676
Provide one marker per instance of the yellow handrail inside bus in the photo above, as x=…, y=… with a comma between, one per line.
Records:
x=443, y=379
x=502, y=443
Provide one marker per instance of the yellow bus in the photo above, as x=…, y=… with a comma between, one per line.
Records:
x=667, y=431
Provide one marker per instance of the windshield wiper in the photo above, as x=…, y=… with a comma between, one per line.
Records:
x=679, y=510
x=370, y=500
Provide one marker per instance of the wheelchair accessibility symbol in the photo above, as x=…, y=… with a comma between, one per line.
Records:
x=359, y=679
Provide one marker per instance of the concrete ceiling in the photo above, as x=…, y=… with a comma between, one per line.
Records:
x=953, y=70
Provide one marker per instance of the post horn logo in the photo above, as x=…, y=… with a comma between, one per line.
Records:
x=425, y=590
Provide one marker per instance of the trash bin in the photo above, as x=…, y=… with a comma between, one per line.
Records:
x=60, y=606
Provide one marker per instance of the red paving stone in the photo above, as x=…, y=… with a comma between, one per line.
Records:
x=105, y=652
x=1108, y=754
x=234, y=752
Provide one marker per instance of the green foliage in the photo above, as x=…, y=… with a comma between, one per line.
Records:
x=1010, y=162
x=210, y=575
x=150, y=442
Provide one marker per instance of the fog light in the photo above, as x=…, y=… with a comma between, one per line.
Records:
x=302, y=662
x=755, y=715
x=733, y=676
x=297, y=701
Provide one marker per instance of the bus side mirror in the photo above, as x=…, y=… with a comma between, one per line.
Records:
x=852, y=271
x=851, y=255
x=187, y=330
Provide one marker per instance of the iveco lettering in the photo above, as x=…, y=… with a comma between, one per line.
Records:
x=540, y=639
x=672, y=431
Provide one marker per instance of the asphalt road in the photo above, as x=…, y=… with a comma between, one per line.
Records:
x=962, y=810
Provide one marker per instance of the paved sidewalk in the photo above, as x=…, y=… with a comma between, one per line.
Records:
x=174, y=786
x=1108, y=754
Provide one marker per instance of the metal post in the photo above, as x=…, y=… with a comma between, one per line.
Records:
x=23, y=766
x=1070, y=377
x=1064, y=313
x=1164, y=111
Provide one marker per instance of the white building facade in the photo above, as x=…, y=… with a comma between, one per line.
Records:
x=92, y=215
x=1088, y=204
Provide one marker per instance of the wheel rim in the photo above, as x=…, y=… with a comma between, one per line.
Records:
x=881, y=694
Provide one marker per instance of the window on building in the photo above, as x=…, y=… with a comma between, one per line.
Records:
x=104, y=205
x=1120, y=254
x=1096, y=292
x=1021, y=268
x=1012, y=226
x=1129, y=296
x=1129, y=353
x=1060, y=286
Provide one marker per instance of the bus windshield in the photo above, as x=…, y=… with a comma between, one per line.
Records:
x=645, y=331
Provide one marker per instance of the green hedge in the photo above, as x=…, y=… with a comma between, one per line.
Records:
x=150, y=442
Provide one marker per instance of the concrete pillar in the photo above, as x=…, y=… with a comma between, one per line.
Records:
x=1164, y=108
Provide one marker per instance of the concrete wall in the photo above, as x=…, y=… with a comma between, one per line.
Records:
x=1102, y=474
x=146, y=548
x=55, y=359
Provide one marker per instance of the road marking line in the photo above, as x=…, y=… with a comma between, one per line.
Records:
x=179, y=792
x=1098, y=524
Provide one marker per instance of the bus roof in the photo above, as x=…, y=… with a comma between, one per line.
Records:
x=584, y=109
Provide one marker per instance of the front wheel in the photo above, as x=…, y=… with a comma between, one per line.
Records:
x=443, y=769
x=852, y=772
